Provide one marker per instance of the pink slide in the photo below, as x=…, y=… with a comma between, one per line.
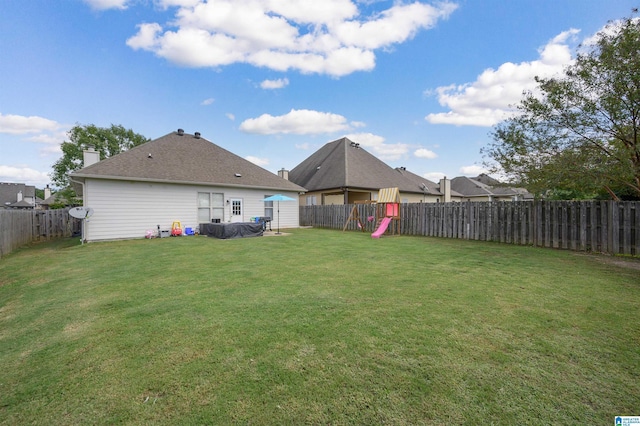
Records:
x=381, y=228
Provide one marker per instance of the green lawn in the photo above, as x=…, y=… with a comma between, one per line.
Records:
x=317, y=327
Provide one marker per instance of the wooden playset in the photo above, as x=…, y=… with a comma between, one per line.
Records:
x=387, y=217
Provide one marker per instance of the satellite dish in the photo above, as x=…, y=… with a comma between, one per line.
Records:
x=81, y=212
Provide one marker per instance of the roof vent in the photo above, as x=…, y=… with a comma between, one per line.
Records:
x=238, y=175
x=180, y=132
x=197, y=135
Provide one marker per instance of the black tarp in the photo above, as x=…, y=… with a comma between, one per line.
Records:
x=231, y=230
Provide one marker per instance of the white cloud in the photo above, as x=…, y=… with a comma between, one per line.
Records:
x=207, y=101
x=165, y=4
x=434, y=176
x=107, y=4
x=490, y=98
x=275, y=84
x=303, y=146
x=18, y=124
x=395, y=25
x=230, y=116
x=146, y=37
x=326, y=37
x=49, y=133
x=299, y=122
x=23, y=174
x=473, y=171
x=611, y=29
x=425, y=153
x=368, y=140
x=262, y=162
x=377, y=146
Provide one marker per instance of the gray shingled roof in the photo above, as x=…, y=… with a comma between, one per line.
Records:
x=9, y=193
x=469, y=187
x=479, y=187
x=22, y=204
x=342, y=163
x=431, y=188
x=185, y=159
x=53, y=199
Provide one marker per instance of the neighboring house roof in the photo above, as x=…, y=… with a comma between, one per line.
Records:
x=487, y=180
x=485, y=186
x=470, y=188
x=429, y=188
x=22, y=205
x=54, y=199
x=185, y=159
x=344, y=164
x=9, y=194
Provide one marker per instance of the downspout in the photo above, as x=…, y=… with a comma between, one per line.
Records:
x=81, y=183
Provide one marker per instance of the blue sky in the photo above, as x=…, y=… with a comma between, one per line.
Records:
x=417, y=83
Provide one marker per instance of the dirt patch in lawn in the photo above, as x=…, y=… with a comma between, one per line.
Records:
x=620, y=262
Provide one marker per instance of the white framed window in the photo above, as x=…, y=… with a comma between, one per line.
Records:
x=210, y=206
x=268, y=207
x=311, y=200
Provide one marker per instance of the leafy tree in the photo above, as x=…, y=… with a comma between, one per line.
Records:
x=580, y=133
x=107, y=141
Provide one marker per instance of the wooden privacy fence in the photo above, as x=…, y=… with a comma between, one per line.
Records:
x=598, y=226
x=20, y=227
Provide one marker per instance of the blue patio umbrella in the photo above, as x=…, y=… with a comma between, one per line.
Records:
x=278, y=198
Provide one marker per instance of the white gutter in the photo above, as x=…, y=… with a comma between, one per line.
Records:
x=186, y=182
x=81, y=183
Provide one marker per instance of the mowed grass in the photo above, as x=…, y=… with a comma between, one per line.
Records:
x=317, y=327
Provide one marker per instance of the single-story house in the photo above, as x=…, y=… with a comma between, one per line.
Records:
x=486, y=188
x=177, y=177
x=342, y=172
x=57, y=198
x=17, y=196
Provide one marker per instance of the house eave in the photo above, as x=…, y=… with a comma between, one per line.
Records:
x=340, y=189
x=183, y=182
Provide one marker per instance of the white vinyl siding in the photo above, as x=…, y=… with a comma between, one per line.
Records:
x=126, y=209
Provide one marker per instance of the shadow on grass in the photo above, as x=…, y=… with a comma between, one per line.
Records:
x=54, y=244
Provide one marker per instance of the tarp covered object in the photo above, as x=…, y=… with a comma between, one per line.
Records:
x=226, y=231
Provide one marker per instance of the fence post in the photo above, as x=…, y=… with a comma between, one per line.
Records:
x=614, y=227
x=626, y=228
